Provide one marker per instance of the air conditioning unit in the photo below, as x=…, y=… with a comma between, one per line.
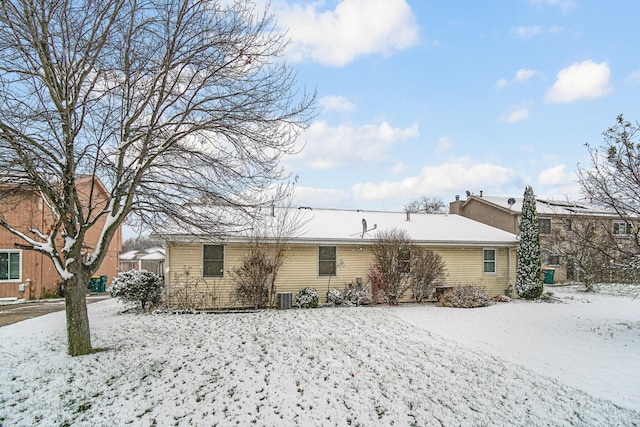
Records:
x=284, y=300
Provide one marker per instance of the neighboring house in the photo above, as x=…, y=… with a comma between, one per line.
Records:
x=332, y=249
x=555, y=221
x=28, y=274
x=151, y=259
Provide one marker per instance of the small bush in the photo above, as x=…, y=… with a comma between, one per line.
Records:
x=307, y=298
x=465, y=297
x=357, y=294
x=334, y=297
x=50, y=294
x=139, y=288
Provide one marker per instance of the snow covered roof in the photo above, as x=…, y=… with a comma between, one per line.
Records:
x=355, y=226
x=128, y=256
x=151, y=254
x=544, y=206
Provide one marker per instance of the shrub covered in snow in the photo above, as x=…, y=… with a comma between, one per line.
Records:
x=334, y=297
x=465, y=297
x=140, y=288
x=307, y=298
x=357, y=294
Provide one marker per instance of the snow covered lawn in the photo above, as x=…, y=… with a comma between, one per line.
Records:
x=332, y=366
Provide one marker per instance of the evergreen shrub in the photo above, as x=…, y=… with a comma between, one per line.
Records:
x=139, y=288
x=307, y=298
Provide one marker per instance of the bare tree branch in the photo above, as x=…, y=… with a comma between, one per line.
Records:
x=173, y=104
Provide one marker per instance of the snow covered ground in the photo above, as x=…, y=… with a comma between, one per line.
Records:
x=517, y=363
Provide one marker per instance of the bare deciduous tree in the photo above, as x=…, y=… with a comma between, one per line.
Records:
x=172, y=104
x=428, y=270
x=268, y=239
x=593, y=251
x=426, y=204
x=612, y=181
x=392, y=257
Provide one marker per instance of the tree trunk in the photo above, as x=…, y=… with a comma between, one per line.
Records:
x=78, y=335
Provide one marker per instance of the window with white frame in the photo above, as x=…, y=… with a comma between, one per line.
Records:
x=489, y=261
x=326, y=260
x=10, y=265
x=621, y=228
x=213, y=260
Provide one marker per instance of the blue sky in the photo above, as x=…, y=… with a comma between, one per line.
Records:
x=434, y=98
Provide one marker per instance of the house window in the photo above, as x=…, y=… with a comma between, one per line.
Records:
x=489, y=261
x=404, y=261
x=567, y=224
x=10, y=265
x=554, y=260
x=213, y=260
x=327, y=260
x=544, y=226
x=621, y=228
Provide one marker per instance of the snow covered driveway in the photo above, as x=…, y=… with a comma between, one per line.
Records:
x=332, y=366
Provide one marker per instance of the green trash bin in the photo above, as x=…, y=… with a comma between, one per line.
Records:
x=98, y=284
x=548, y=275
x=94, y=283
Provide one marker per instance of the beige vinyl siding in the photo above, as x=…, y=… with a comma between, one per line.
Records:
x=300, y=270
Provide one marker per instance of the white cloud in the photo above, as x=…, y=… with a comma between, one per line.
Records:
x=438, y=180
x=502, y=83
x=521, y=76
x=517, y=114
x=355, y=27
x=336, y=103
x=398, y=168
x=584, y=80
x=308, y=196
x=554, y=175
x=526, y=32
x=560, y=184
x=633, y=79
x=565, y=5
x=327, y=147
x=445, y=143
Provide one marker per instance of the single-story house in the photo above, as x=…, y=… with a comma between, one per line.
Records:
x=332, y=248
x=150, y=259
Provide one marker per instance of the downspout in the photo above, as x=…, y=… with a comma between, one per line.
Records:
x=165, y=275
x=509, y=283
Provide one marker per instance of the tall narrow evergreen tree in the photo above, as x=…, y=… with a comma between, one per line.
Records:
x=528, y=278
